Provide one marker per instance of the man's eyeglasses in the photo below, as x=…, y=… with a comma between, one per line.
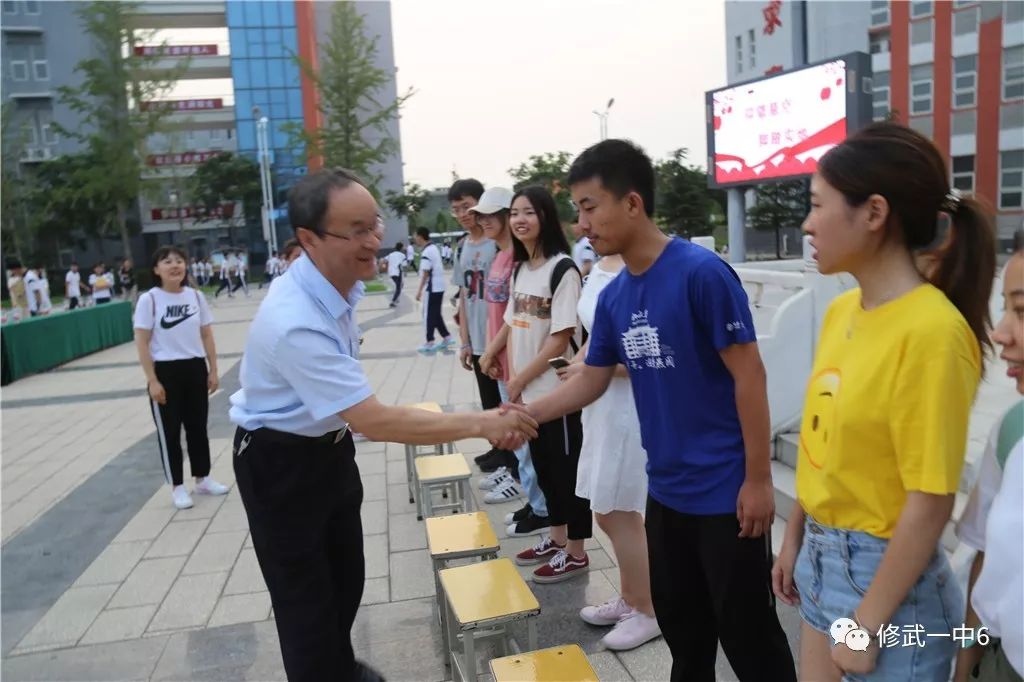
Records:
x=363, y=234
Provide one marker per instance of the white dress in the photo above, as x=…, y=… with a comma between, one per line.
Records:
x=612, y=472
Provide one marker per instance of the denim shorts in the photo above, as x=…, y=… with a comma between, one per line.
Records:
x=834, y=569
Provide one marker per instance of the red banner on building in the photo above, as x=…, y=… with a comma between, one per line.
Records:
x=173, y=213
x=175, y=50
x=180, y=159
x=184, y=104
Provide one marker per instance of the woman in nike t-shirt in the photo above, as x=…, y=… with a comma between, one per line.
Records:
x=174, y=338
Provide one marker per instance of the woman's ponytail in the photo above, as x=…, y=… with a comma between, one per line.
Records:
x=966, y=265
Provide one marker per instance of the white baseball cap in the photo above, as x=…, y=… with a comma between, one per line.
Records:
x=493, y=200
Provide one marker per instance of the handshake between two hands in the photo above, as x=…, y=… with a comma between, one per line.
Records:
x=509, y=426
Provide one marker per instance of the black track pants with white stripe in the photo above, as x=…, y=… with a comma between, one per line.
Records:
x=187, y=405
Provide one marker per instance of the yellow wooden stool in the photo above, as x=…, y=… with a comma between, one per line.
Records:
x=557, y=664
x=414, y=451
x=447, y=473
x=481, y=600
x=462, y=536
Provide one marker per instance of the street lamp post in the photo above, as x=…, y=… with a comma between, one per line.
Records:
x=266, y=187
x=602, y=117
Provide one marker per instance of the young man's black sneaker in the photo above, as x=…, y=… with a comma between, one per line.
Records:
x=531, y=525
x=518, y=515
x=487, y=455
x=491, y=464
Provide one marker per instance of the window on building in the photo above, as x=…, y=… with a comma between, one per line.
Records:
x=920, y=9
x=40, y=67
x=965, y=122
x=739, y=54
x=965, y=22
x=921, y=82
x=965, y=81
x=19, y=55
x=921, y=32
x=880, y=95
x=879, y=42
x=29, y=134
x=879, y=12
x=752, y=48
x=1013, y=72
x=957, y=4
x=1013, y=11
x=216, y=134
x=49, y=135
x=1011, y=116
x=1011, y=179
x=31, y=6
x=963, y=173
x=10, y=7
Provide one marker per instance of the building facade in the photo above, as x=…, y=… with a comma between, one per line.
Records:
x=245, y=73
x=953, y=70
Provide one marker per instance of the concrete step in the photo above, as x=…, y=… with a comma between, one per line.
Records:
x=784, y=479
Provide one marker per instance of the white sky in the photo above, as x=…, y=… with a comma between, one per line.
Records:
x=499, y=81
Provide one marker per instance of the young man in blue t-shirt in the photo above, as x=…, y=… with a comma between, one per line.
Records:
x=680, y=322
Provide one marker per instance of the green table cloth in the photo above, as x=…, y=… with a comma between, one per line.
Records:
x=41, y=343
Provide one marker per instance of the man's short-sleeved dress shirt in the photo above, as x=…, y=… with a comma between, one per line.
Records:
x=301, y=362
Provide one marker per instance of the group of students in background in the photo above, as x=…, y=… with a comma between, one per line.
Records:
x=30, y=288
x=671, y=452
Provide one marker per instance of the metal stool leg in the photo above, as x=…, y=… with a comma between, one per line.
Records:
x=469, y=654
x=531, y=633
x=410, y=463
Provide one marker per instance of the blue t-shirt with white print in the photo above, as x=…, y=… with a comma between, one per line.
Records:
x=667, y=326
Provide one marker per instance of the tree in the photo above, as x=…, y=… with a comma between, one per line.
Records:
x=222, y=180
x=682, y=201
x=114, y=103
x=779, y=205
x=550, y=170
x=14, y=227
x=409, y=203
x=354, y=133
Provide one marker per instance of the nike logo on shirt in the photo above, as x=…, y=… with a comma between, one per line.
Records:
x=175, y=310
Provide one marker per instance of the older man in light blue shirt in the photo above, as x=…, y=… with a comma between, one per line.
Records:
x=303, y=390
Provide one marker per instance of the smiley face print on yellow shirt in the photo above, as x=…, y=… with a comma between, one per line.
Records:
x=820, y=415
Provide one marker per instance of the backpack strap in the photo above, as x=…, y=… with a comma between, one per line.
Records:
x=1011, y=430
x=563, y=266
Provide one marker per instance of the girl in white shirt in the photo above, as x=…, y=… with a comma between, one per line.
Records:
x=174, y=339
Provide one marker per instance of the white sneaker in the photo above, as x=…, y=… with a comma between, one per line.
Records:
x=182, y=500
x=494, y=479
x=632, y=630
x=506, y=492
x=607, y=613
x=208, y=486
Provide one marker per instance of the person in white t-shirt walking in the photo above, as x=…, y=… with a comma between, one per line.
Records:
x=395, y=260
x=432, y=271
x=45, y=304
x=174, y=339
x=271, y=269
x=73, y=287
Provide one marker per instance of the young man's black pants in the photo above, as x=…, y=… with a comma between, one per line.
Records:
x=302, y=497
x=435, y=320
x=711, y=586
x=397, y=279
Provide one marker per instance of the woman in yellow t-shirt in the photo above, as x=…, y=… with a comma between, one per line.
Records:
x=885, y=417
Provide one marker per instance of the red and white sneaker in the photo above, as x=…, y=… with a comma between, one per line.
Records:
x=539, y=553
x=562, y=566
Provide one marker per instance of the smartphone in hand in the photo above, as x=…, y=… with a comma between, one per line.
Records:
x=558, y=363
